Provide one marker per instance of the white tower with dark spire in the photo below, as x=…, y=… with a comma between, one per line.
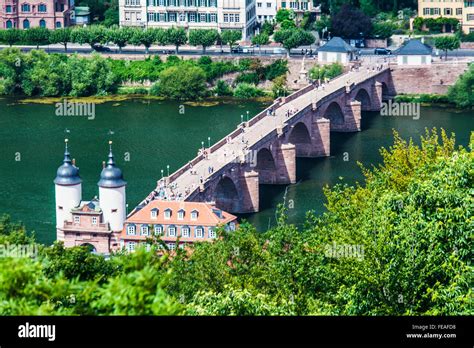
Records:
x=112, y=198
x=68, y=189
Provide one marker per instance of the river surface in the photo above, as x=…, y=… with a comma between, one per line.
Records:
x=149, y=135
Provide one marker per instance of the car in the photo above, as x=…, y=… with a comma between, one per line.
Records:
x=243, y=49
x=382, y=51
x=100, y=48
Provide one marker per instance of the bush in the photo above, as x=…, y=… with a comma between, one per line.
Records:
x=276, y=69
x=247, y=91
x=184, y=82
x=222, y=89
x=250, y=78
x=318, y=72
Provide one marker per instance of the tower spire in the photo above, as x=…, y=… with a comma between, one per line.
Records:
x=111, y=161
x=67, y=155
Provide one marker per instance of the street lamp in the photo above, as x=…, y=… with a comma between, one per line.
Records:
x=241, y=118
x=209, y=141
x=247, y=115
x=202, y=144
x=162, y=173
x=168, y=169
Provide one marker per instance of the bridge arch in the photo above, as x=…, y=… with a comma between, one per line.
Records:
x=226, y=195
x=299, y=134
x=265, y=160
x=334, y=113
x=364, y=98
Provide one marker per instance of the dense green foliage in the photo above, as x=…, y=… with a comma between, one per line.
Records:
x=411, y=222
x=185, y=82
x=462, y=93
x=350, y=22
x=328, y=71
x=39, y=73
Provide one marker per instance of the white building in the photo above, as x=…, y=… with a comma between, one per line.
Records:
x=266, y=10
x=414, y=52
x=336, y=50
x=190, y=14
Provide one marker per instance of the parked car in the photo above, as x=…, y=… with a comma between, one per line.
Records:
x=100, y=48
x=243, y=49
x=382, y=51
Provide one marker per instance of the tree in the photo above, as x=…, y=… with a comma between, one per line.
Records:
x=350, y=22
x=260, y=40
x=284, y=15
x=96, y=34
x=383, y=30
x=11, y=36
x=447, y=43
x=203, y=37
x=292, y=38
x=144, y=37
x=230, y=37
x=462, y=92
x=119, y=36
x=80, y=35
x=177, y=37
x=183, y=82
x=62, y=36
x=268, y=28
x=37, y=36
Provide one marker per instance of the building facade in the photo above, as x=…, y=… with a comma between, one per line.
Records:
x=414, y=52
x=96, y=223
x=176, y=223
x=463, y=10
x=190, y=14
x=336, y=51
x=299, y=7
x=27, y=14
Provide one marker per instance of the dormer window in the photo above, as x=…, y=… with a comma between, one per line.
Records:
x=131, y=230
x=181, y=214
x=154, y=213
x=194, y=215
x=77, y=220
x=167, y=213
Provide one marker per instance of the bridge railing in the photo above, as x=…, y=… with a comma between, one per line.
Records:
x=264, y=113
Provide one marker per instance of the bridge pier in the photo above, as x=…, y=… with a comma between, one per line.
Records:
x=376, y=96
x=352, y=116
x=248, y=186
x=286, y=164
x=321, y=139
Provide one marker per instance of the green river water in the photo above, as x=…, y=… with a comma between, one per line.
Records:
x=154, y=134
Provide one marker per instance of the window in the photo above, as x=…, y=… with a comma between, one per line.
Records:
x=181, y=245
x=212, y=233
x=405, y=60
x=213, y=17
x=114, y=210
x=144, y=230
x=94, y=220
x=192, y=17
x=9, y=23
x=167, y=213
x=199, y=233
x=8, y=9
x=59, y=207
x=131, y=230
x=171, y=246
x=25, y=8
x=470, y=17
x=77, y=220
x=158, y=230
x=58, y=24
x=154, y=213
x=42, y=8
x=181, y=215
x=459, y=11
x=171, y=231
x=194, y=215
x=185, y=232
x=131, y=246
x=448, y=11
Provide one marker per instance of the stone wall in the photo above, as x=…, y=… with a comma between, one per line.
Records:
x=431, y=79
x=467, y=45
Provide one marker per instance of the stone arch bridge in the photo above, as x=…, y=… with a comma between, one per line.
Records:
x=264, y=149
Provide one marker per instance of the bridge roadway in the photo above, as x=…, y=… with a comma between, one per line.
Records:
x=187, y=179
